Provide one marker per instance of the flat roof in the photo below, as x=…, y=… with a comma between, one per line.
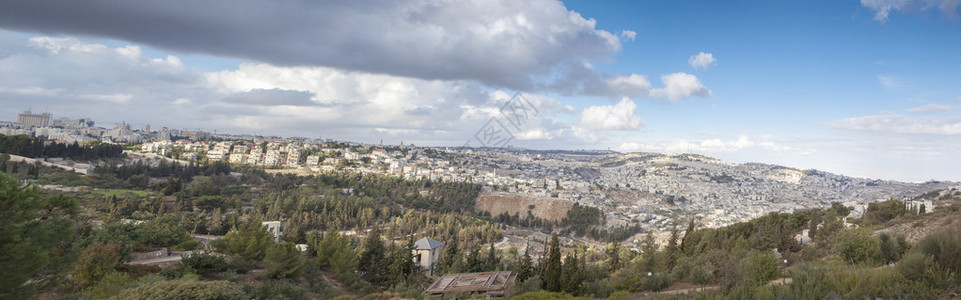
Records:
x=493, y=283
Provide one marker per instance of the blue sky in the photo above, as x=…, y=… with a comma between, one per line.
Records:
x=868, y=88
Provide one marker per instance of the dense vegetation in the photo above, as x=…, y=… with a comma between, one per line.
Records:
x=37, y=148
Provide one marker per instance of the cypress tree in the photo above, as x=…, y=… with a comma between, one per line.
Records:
x=552, y=276
x=525, y=268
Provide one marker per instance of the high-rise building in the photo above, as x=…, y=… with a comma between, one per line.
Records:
x=29, y=119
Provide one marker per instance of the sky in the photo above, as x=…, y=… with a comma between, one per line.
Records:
x=868, y=88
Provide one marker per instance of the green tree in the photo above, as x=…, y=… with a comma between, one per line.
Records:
x=650, y=253
x=525, y=266
x=204, y=262
x=572, y=275
x=613, y=253
x=249, y=242
x=888, y=248
x=493, y=261
x=670, y=252
x=858, y=246
x=98, y=261
x=35, y=238
x=164, y=231
x=373, y=258
x=284, y=261
x=552, y=277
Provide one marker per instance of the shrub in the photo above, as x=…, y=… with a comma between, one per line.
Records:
x=180, y=289
x=945, y=248
x=277, y=289
x=656, y=282
x=858, y=246
x=241, y=265
x=203, y=262
x=621, y=295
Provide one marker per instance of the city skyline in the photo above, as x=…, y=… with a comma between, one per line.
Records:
x=865, y=89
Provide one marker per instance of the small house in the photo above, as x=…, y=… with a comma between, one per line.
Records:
x=427, y=253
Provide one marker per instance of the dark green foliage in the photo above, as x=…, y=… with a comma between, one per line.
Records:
x=277, y=290
x=880, y=212
x=335, y=253
x=32, y=147
x=891, y=249
x=249, y=242
x=581, y=218
x=164, y=231
x=98, y=261
x=283, y=261
x=203, y=262
x=373, y=259
x=524, y=266
x=858, y=246
x=551, y=276
x=35, y=237
x=945, y=248
x=181, y=289
x=613, y=256
x=402, y=267
x=241, y=265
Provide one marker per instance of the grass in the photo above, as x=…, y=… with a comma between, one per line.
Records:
x=120, y=192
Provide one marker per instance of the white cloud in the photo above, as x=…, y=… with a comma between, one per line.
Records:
x=894, y=123
x=115, y=98
x=30, y=91
x=633, y=84
x=891, y=82
x=930, y=107
x=182, y=101
x=883, y=8
x=701, y=60
x=612, y=117
x=628, y=35
x=679, y=86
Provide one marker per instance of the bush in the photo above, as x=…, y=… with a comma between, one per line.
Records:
x=702, y=274
x=760, y=267
x=858, y=246
x=545, y=295
x=203, y=262
x=621, y=295
x=945, y=248
x=241, y=265
x=277, y=289
x=656, y=282
x=180, y=289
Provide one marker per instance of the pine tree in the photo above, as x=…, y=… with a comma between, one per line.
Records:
x=650, y=252
x=571, y=276
x=372, y=259
x=687, y=243
x=671, y=250
x=34, y=239
x=613, y=253
x=524, y=267
x=284, y=261
x=552, y=277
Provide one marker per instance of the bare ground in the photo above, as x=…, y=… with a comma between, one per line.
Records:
x=497, y=203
